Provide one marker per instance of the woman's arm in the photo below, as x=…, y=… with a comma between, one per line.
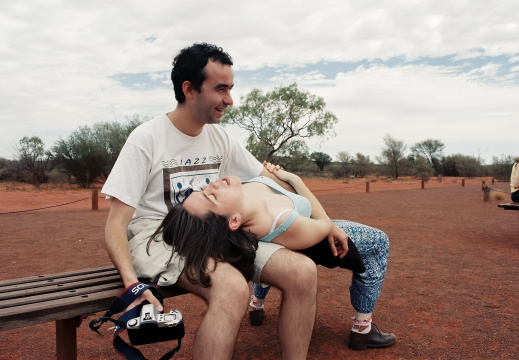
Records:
x=304, y=232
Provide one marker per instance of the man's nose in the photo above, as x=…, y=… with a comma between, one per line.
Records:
x=227, y=100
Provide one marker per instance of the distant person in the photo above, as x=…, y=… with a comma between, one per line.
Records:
x=262, y=208
x=514, y=181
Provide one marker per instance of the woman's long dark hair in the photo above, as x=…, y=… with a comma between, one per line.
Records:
x=198, y=239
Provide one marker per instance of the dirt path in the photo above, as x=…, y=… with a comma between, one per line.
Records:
x=451, y=291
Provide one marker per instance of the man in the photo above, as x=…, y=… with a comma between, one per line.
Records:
x=162, y=161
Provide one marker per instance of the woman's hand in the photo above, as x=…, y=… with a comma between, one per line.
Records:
x=279, y=172
x=338, y=241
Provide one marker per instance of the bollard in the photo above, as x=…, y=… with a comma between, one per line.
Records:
x=95, y=198
x=367, y=186
x=486, y=194
x=483, y=185
x=423, y=184
x=462, y=182
x=492, y=181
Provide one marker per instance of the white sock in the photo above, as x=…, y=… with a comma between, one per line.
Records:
x=358, y=324
x=256, y=303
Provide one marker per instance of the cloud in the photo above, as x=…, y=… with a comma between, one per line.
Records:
x=411, y=64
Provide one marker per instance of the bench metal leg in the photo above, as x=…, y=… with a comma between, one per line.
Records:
x=66, y=340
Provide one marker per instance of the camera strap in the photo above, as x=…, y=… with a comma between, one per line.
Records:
x=119, y=304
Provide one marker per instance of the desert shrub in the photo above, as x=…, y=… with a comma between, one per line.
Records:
x=11, y=170
x=422, y=169
x=57, y=176
x=501, y=167
x=461, y=165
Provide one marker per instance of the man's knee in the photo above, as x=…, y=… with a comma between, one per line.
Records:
x=291, y=271
x=228, y=284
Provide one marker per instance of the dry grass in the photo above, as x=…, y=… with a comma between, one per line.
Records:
x=497, y=195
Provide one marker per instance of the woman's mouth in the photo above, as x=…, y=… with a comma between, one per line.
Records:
x=226, y=181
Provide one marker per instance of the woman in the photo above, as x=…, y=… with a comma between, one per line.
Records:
x=514, y=181
x=297, y=221
x=257, y=209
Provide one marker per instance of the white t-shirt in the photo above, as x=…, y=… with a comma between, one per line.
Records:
x=159, y=165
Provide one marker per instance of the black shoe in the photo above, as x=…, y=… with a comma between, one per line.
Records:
x=256, y=317
x=374, y=339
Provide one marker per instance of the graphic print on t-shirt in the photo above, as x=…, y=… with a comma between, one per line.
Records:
x=180, y=181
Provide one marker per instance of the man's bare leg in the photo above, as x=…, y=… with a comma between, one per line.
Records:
x=227, y=300
x=296, y=276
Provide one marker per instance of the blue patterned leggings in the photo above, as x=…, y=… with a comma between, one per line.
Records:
x=373, y=246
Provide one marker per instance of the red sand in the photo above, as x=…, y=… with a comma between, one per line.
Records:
x=451, y=291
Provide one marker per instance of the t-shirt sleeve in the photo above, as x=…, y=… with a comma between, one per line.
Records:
x=129, y=176
x=241, y=162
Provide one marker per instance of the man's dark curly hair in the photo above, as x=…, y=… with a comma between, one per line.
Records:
x=189, y=65
x=198, y=239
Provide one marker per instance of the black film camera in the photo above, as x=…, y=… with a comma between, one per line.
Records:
x=152, y=326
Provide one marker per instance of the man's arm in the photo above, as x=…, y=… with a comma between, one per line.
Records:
x=516, y=177
x=116, y=241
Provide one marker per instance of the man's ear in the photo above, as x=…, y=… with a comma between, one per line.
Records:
x=187, y=88
x=234, y=222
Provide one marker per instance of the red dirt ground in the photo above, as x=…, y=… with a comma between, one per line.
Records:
x=451, y=290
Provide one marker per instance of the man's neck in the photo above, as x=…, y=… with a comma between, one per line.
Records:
x=183, y=120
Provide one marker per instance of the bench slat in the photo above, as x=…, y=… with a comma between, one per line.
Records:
x=45, y=280
x=58, y=286
x=36, y=300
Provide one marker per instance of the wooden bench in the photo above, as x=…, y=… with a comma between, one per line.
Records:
x=509, y=206
x=65, y=298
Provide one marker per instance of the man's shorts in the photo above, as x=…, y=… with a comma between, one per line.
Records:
x=152, y=263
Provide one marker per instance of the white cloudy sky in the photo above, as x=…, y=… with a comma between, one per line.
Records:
x=447, y=70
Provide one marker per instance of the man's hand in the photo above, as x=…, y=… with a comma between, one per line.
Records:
x=338, y=241
x=149, y=297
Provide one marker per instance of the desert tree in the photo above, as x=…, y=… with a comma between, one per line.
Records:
x=279, y=117
x=293, y=157
x=362, y=165
x=501, y=167
x=431, y=150
x=393, y=155
x=320, y=159
x=34, y=159
x=113, y=135
x=82, y=156
x=344, y=166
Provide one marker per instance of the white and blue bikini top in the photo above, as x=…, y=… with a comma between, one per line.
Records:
x=301, y=207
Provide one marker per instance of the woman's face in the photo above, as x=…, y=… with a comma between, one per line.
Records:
x=223, y=197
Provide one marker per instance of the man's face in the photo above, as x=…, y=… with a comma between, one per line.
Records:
x=210, y=104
